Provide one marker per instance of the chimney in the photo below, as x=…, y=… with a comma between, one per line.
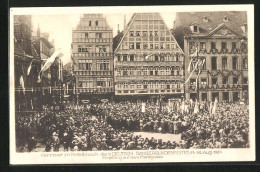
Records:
x=118, y=31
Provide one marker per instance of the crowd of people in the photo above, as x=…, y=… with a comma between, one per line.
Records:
x=113, y=126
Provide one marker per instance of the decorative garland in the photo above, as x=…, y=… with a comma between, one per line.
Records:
x=223, y=51
x=224, y=73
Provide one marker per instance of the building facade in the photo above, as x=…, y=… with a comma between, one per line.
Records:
x=92, y=55
x=28, y=97
x=51, y=83
x=221, y=40
x=148, y=61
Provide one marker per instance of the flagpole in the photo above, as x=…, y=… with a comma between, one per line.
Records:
x=198, y=77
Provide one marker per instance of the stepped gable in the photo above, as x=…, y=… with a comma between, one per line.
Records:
x=137, y=23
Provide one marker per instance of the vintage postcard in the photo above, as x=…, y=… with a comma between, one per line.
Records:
x=142, y=84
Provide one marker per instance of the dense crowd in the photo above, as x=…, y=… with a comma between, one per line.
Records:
x=112, y=126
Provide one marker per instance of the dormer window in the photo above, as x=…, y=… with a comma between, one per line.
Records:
x=244, y=28
x=225, y=19
x=205, y=19
x=194, y=28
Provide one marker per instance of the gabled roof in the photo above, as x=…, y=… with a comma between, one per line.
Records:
x=120, y=37
x=219, y=27
x=46, y=42
x=117, y=39
x=125, y=31
x=235, y=20
x=18, y=49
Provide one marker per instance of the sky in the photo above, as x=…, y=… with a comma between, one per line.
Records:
x=60, y=27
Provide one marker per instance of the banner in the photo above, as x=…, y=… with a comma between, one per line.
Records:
x=143, y=107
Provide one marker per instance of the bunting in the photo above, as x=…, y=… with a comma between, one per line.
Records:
x=29, y=68
x=22, y=83
x=49, y=62
x=215, y=106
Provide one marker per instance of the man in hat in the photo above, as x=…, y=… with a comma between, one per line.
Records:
x=56, y=142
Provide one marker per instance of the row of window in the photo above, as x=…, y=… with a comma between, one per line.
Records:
x=146, y=72
x=92, y=16
x=101, y=65
x=156, y=85
x=223, y=45
x=150, y=57
x=203, y=81
x=97, y=40
x=225, y=96
x=214, y=64
x=97, y=49
x=151, y=39
x=92, y=23
x=91, y=54
x=146, y=46
x=146, y=26
x=151, y=33
x=92, y=35
x=150, y=91
x=224, y=62
x=90, y=83
x=150, y=22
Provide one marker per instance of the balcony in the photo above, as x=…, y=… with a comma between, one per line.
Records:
x=93, y=73
x=93, y=40
x=148, y=63
x=219, y=51
x=148, y=91
x=95, y=90
x=150, y=77
x=92, y=55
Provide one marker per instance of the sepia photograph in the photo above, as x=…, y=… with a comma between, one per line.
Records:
x=132, y=84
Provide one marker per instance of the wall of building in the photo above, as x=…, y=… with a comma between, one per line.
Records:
x=225, y=69
x=148, y=60
x=92, y=55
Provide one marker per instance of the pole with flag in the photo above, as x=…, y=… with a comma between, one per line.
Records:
x=215, y=106
x=29, y=68
x=22, y=83
x=192, y=59
x=146, y=57
x=143, y=107
x=196, y=108
x=49, y=62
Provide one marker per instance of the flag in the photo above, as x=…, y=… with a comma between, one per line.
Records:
x=49, y=62
x=191, y=102
x=146, y=57
x=31, y=104
x=22, y=83
x=191, y=73
x=29, y=68
x=143, y=107
x=182, y=107
x=189, y=65
x=215, y=106
x=196, y=108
